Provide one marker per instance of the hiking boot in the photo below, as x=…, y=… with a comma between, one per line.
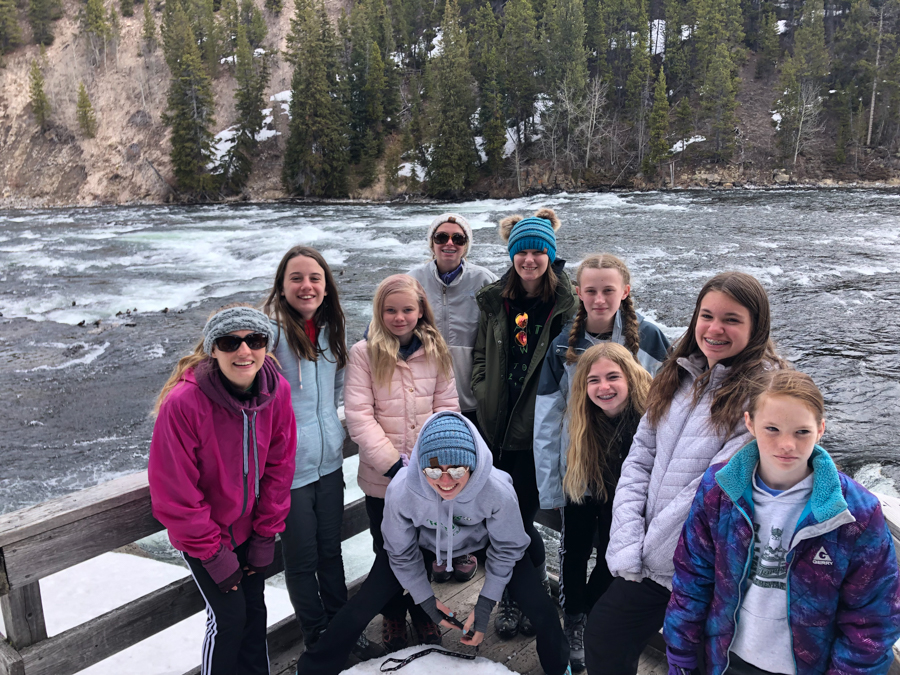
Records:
x=525, y=627
x=393, y=634
x=464, y=567
x=364, y=649
x=428, y=631
x=574, y=630
x=440, y=573
x=506, y=623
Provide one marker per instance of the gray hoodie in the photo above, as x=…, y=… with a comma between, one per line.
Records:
x=485, y=514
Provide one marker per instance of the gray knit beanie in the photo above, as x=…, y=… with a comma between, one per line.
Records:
x=449, y=439
x=232, y=319
x=456, y=219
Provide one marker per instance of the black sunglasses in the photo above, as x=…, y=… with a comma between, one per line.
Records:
x=231, y=343
x=441, y=238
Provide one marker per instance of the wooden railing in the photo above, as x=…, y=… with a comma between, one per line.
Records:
x=47, y=538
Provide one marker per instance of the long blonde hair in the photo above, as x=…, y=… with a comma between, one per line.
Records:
x=630, y=327
x=593, y=436
x=192, y=360
x=382, y=345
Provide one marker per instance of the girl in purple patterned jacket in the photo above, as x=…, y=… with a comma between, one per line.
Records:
x=785, y=565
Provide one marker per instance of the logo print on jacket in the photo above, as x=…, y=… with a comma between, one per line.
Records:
x=822, y=558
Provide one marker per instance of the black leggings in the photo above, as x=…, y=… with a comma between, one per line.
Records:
x=579, y=524
x=519, y=465
x=329, y=654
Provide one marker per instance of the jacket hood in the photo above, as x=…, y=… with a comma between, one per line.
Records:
x=827, y=499
x=206, y=376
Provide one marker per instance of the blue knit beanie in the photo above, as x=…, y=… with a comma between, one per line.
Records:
x=449, y=439
x=536, y=233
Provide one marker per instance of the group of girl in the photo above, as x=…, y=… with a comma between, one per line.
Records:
x=475, y=401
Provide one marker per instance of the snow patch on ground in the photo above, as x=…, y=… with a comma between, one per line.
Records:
x=407, y=169
x=782, y=26
x=431, y=664
x=438, y=43
x=284, y=98
x=776, y=117
x=657, y=36
x=681, y=145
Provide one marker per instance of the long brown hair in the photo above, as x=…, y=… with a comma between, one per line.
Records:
x=630, y=330
x=593, y=436
x=382, y=345
x=731, y=396
x=329, y=313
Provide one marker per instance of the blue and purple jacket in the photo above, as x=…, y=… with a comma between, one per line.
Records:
x=843, y=585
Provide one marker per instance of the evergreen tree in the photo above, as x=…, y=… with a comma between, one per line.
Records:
x=201, y=14
x=315, y=161
x=148, y=32
x=719, y=101
x=230, y=19
x=768, y=45
x=637, y=90
x=127, y=7
x=493, y=129
x=275, y=6
x=40, y=104
x=84, y=112
x=373, y=91
x=252, y=75
x=597, y=38
x=96, y=25
x=484, y=37
x=677, y=56
x=360, y=60
x=41, y=14
x=520, y=62
x=254, y=23
x=453, y=154
x=684, y=123
x=659, y=122
x=190, y=105
x=10, y=33
x=565, y=58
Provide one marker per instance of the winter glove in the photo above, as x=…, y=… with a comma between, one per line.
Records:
x=390, y=473
x=224, y=569
x=681, y=663
x=483, y=609
x=260, y=553
x=429, y=606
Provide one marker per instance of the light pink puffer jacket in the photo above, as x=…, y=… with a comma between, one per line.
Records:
x=385, y=424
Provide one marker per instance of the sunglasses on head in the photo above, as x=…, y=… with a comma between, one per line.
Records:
x=231, y=343
x=441, y=238
x=455, y=472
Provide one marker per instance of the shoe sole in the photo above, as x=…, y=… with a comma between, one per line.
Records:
x=442, y=577
x=464, y=576
x=577, y=666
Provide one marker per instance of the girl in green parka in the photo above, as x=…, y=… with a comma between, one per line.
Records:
x=519, y=316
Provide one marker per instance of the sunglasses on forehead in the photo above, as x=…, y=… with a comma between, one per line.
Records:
x=231, y=343
x=442, y=238
x=455, y=472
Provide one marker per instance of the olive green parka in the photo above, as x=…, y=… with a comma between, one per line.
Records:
x=489, y=371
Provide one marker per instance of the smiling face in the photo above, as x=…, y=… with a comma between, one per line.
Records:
x=530, y=265
x=400, y=314
x=304, y=285
x=447, y=487
x=601, y=291
x=449, y=255
x=723, y=327
x=607, y=387
x=240, y=367
x=786, y=430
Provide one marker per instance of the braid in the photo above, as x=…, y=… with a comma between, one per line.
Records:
x=630, y=326
x=576, y=331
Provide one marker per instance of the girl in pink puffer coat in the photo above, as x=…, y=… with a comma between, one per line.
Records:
x=397, y=376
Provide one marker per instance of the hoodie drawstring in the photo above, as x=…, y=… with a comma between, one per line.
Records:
x=437, y=536
x=255, y=457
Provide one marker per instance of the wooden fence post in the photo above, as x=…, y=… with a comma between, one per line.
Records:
x=23, y=615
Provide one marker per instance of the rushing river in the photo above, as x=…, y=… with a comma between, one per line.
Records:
x=829, y=259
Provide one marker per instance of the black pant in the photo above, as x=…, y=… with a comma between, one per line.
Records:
x=519, y=464
x=401, y=603
x=235, y=640
x=621, y=624
x=311, y=546
x=579, y=524
x=329, y=654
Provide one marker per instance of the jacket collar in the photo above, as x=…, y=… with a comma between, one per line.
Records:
x=827, y=500
x=436, y=273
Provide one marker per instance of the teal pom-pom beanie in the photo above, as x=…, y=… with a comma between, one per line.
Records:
x=533, y=234
x=449, y=439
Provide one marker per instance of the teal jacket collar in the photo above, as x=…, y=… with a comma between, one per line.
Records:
x=827, y=500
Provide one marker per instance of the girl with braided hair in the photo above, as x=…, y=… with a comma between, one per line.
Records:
x=605, y=314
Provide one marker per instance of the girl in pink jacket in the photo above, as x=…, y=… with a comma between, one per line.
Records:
x=398, y=375
x=220, y=470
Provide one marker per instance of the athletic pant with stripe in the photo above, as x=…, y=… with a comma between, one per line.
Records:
x=235, y=640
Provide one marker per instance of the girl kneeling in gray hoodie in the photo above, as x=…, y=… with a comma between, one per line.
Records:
x=471, y=508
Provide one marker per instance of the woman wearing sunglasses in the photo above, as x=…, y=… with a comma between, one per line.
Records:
x=220, y=471
x=450, y=282
x=520, y=315
x=448, y=499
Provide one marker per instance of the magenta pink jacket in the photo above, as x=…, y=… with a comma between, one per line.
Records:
x=221, y=470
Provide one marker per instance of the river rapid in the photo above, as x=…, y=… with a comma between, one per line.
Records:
x=77, y=397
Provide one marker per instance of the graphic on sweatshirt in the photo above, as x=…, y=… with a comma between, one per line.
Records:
x=444, y=526
x=769, y=568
